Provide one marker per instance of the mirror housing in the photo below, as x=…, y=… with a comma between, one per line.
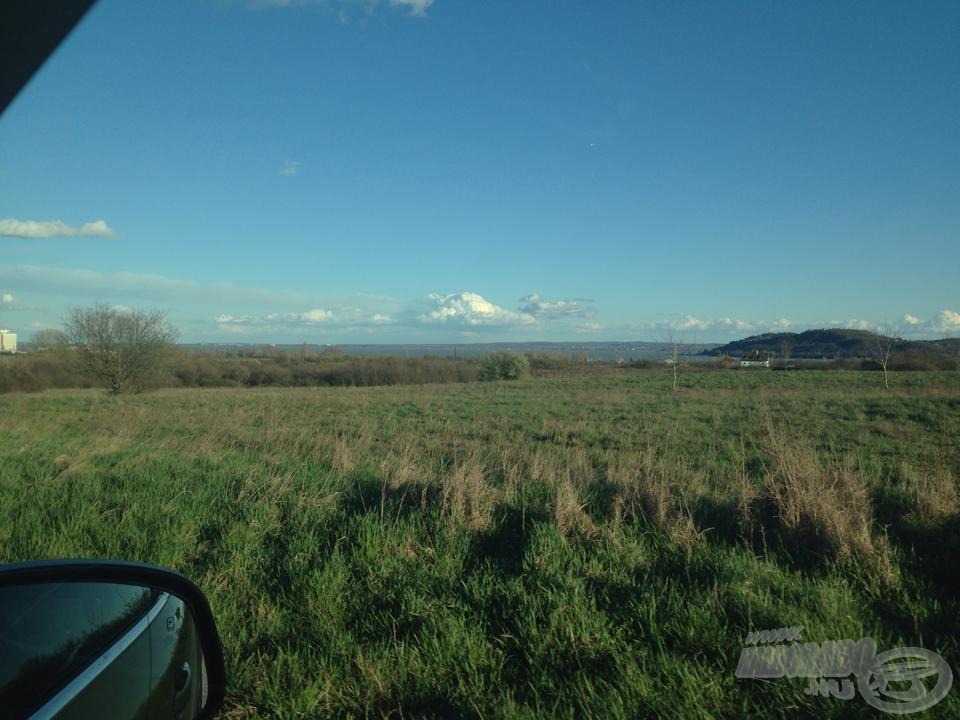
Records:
x=175, y=604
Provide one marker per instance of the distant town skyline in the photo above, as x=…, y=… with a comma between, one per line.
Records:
x=427, y=171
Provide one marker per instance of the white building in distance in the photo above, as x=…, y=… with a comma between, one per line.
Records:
x=756, y=359
x=8, y=341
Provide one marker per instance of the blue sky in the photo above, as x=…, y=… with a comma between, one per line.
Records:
x=441, y=171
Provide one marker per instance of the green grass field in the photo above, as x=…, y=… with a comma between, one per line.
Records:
x=589, y=545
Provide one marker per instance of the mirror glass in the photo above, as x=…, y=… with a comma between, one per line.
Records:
x=93, y=649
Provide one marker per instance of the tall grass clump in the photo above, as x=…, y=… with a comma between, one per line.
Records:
x=466, y=495
x=824, y=506
x=570, y=513
x=934, y=492
x=650, y=488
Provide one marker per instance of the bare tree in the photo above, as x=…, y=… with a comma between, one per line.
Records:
x=49, y=339
x=884, y=342
x=786, y=349
x=122, y=347
x=675, y=348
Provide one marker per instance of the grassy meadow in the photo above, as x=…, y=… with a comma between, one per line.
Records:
x=569, y=545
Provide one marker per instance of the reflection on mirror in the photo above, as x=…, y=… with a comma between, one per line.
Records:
x=77, y=650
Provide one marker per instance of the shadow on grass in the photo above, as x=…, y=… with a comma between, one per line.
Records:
x=367, y=494
x=928, y=550
x=504, y=545
x=930, y=553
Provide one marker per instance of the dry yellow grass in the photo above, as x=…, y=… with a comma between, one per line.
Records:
x=935, y=493
x=466, y=496
x=824, y=503
x=657, y=489
x=569, y=512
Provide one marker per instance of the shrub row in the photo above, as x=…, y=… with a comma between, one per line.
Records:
x=190, y=368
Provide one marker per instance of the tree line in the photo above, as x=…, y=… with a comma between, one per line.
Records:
x=130, y=351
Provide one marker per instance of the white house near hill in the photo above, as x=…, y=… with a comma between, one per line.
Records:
x=756, y=359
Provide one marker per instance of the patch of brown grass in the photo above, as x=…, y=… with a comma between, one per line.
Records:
x=824, y=504
x=512, y=469
x=652, y=488
x=466, y=496
x=569, y=513
x=935, y=493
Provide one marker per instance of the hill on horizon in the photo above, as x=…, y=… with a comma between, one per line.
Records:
x=832, y=343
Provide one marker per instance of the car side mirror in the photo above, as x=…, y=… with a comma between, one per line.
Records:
x=101, y=639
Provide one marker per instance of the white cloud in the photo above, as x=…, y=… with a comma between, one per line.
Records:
x=53, y=228
x=9, y=303
x=946, y=321
x=733, y=324
x=232, y=308
x=588, y=328
x=95, y=285
x=315, y=315
x=855, y=324
x=237, y=329
x=690, y=327
x=290, y=167
x=535, y=305
x=468, y=308
x=689, y=322
x=417, y=7
x=307, y=317
x=340, y=319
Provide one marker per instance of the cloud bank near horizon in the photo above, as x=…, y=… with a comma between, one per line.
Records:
x=537, y=306
x=417, y=8
x=11, y=227
x=220, y=309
